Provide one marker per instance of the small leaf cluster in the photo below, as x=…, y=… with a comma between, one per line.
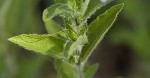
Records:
x=72, y=40
x=77, y=39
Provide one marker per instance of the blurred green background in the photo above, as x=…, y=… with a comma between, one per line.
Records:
x=124, y=52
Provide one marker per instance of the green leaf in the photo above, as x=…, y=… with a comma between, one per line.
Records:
x=65, y=69
x=98, y=29
x=48, y=15
x=45, y=44
x=84, y=7
x=74, y=4
x=93, y=6
x=52, y=26
x=90, y=71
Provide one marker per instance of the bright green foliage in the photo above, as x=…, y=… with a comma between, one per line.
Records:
x=73, y=40
x=98, y=28
x=84, y=7
x=45, y=44
x=73, y=4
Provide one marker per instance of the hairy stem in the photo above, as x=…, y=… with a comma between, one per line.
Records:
x=80, y=72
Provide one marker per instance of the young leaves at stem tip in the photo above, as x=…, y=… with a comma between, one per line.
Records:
x=79, y=43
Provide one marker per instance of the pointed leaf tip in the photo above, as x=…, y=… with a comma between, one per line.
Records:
x=45, y=44
x=98, y=28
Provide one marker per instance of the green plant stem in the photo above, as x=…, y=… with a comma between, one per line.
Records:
x=80, y=72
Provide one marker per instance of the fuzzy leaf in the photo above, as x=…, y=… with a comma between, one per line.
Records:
x=98, y=29
x=84, y=7
x=45, y=44
x=93, y=6
x=58, y=9
x=77, y=47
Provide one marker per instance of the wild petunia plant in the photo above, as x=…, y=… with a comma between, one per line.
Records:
x=72, y=41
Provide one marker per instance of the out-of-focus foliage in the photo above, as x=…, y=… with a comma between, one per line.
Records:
x=16, y=17
x=134, y=30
